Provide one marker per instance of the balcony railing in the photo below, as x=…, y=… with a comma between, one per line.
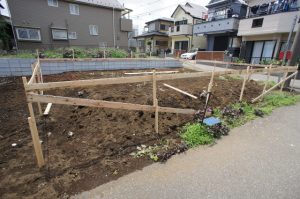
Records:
x=273, y=8
x=185, y=29
x=223, y=25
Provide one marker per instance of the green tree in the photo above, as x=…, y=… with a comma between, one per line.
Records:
x=5, y=36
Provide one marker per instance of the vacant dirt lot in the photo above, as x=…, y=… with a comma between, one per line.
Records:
x=99, y=150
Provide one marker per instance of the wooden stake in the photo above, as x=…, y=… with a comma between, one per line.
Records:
x=48, y=108
x=181, y=91
x=36, y=142
x=268, y=78
x=155, y=101
x=275, y=86
x=156, y=115
x=73, y=54
x=34, y=131
x=244, y=83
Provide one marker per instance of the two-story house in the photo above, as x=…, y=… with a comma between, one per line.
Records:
x=266, y=29
x=62, y=23
x=155, y=37
x=181, y=33
x=222, y=25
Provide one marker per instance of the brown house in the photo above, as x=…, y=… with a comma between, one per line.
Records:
x=155, y=39
x=62, y=23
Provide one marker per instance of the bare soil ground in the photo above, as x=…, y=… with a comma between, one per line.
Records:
x=98, y=152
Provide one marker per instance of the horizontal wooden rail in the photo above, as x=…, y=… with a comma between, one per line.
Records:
x=31, y=97
x=146, y=78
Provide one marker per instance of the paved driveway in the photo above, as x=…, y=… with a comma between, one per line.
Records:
x=258, y=160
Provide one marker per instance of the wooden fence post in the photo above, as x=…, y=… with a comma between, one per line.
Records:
x=155, y=101
x=268, y=78
x=34, y=132
x=73, y=54
x=244, y=83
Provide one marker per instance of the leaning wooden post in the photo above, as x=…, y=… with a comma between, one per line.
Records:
x=155, y=101
x=268, y=78
x=244, y=84
x=274, y=87
x=34, y=132
x=284, y=77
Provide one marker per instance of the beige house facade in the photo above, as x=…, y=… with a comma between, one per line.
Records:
x=266, y=29
x=181, y=33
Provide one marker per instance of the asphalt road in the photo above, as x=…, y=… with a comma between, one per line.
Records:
x=258, y=160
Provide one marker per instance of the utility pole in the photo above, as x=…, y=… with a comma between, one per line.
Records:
x=295, y=53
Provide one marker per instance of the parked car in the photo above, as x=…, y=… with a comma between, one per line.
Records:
x=190, y=55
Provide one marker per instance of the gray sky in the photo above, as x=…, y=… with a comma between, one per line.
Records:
x=5, y=11
x=146, y=10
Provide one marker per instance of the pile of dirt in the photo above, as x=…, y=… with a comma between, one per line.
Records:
x=86, y=147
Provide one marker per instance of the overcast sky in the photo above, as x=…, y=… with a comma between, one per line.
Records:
x=146, y=10
x=5, y=11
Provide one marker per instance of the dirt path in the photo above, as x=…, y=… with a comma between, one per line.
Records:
x=103, y=138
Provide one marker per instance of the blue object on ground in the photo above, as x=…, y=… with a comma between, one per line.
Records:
x=211, y=121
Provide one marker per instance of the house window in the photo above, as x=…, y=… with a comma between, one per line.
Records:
x=72, y=35
x=93, y=29
x=257, y=23
x=28, y=34
x=178, y=28
x=162, y=26
x=74, y=9
x=53, y=3
x=59, y=34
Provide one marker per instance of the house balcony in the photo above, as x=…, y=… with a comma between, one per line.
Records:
x=218, y=26
x=185, y=29
x=268, y=24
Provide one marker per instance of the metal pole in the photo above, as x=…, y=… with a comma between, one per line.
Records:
x=295, y=54
x=287, y=46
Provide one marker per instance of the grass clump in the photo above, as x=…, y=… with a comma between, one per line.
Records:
x=196, y=134
x=277, y=99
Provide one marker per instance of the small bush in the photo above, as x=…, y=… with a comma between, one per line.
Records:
x=196, y=134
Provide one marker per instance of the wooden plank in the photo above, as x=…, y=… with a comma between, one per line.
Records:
x=32, y=97
x=36, y=142
x=156, y=115
x=138, y=79
x=34, y=73
x=244, y=83
x=237, y=64
x=180, y=91
x=268, y=91
x=157, y=72
x=48, y=108
x=155, y=102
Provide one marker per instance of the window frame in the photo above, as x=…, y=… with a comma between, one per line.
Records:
x=72, y=38
x=257, y=25
x=28, y=28
x=92, y=33
x=59, y=39
x=51, y=3
x=75, y=6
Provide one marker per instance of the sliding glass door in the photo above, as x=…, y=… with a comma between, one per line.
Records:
x=262, y=50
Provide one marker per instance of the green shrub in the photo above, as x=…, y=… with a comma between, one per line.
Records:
x=196, y=134
x=118, y=53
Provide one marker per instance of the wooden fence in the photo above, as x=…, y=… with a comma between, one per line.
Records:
x=35, y=88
